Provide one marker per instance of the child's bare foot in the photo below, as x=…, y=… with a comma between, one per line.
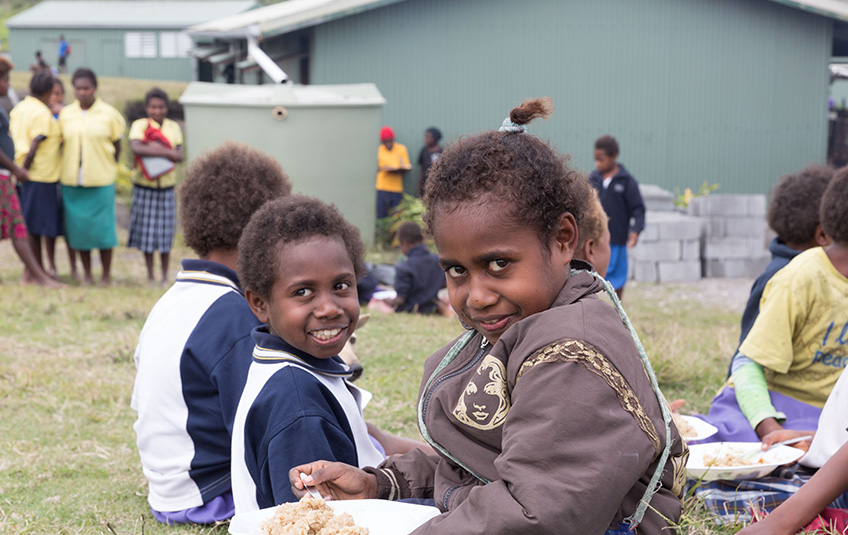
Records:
x=106, y=282
x=49, y=282
x=88, y=280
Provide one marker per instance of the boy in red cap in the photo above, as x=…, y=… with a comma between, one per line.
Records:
x=392, y=163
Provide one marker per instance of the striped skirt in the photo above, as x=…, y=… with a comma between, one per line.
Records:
x=153, y=219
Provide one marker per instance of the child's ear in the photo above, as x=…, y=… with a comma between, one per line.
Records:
x=821, y=238
x=257, y=305
x=565, y=237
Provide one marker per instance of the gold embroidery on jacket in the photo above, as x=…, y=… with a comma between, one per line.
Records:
x=577, y=351
x=490, y=404
x=678, y=462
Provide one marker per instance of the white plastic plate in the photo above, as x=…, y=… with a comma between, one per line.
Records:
x=759, y=466
x=702, y=428
x=381, y=517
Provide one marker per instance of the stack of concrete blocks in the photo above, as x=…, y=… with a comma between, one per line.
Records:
x=735, y=234
x=669, y=249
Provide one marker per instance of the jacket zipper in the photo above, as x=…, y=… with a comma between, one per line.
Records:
x=466, y=367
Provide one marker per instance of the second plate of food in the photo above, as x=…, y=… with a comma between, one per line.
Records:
x=728, y=460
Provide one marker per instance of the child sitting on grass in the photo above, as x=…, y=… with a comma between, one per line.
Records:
x=299, y=261
x=419, y=278
x=154, y=204
x=194, y=350
x=543, y=413
x=593, y=237
x=793, y=355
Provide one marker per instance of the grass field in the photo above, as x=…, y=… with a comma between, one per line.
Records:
x=68, y=462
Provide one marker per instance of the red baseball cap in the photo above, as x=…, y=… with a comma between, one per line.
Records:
x=386, y=133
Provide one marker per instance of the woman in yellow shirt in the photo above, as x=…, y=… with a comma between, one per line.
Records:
x=92, y=132
x=37, y=143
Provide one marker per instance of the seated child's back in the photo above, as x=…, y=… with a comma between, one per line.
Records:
x=299, y=261
x=419, y=278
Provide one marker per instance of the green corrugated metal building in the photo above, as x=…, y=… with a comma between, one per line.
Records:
x=727, y=91
x=137, y=39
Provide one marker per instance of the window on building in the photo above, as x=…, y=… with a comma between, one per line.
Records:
x=140, y=44
x=174, y=44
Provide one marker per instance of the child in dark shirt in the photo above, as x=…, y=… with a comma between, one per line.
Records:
x=419, y=278
x=299, y=261
x=620, y=197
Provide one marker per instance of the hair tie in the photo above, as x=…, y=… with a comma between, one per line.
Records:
x=509, y=126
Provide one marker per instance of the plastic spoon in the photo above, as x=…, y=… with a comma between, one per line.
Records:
x=752, y=454
x=311, y=490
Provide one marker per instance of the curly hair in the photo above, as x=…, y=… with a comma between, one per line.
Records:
x=608, y=144
x=222, y=189
x=594, y=223
x=834, y=217
x=409, y=232
x=794, y=210
x=5, y=66
x=520, y=170
x=41, y=83
x=84, y=72
x=156, y=93
x=289, y=220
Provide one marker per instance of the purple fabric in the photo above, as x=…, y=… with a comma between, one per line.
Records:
x=217, y=509
x=732, y=425
x=377, y=445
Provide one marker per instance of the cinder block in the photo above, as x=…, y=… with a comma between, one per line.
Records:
x=657, y=251
x=657, y=199
x=644, y=271
x=757, y=205
x=680, y=228
x=690, y=250
x=721, y=248
x=715, y=227
x=748, y=226
x=688, y=270
x=757, y=248
x=721, y=205
x=651, y=232
x=743, y=267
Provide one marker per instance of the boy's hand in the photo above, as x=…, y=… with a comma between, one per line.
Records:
x=632, y=238
x=787, y=434
x=338, y=481
x=769, y=425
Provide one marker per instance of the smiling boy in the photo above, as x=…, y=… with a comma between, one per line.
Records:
x=297, y=405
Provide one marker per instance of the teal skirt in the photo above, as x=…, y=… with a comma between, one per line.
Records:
x=90, y=217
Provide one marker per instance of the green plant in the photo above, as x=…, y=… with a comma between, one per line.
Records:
x=409, y=209
x=682, y=200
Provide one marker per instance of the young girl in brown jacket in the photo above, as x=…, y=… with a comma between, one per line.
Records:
x=546, y=418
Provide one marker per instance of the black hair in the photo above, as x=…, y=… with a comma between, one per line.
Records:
x=5, y=66
x=84, y=72
x=41, y=83
x=156, y=93
x=794, y=210
x=285, y=221
x=222, y=189
x=608, y=144
x=524, y=172
x=410, y=232
x=435, y=132
x=834, y=215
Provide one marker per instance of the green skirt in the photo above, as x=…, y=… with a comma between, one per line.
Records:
x=90, y=217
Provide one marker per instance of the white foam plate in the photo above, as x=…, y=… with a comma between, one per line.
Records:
x=702, y=428
x=701, y=454
x=384, y=294
x=381, y=517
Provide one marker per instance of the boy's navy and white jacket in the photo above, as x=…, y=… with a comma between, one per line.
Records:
x=622, y=202
x=192, y=360
x=295, y=409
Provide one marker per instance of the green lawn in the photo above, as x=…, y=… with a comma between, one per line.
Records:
x=68, y=462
